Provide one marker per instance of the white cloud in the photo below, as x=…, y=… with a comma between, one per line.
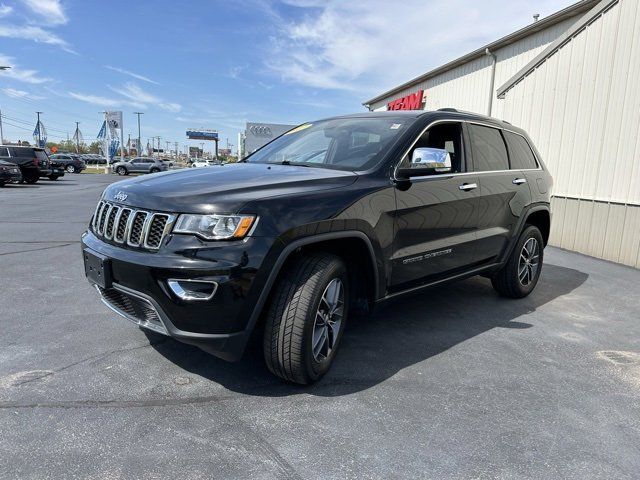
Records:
x=95, y=99
x=368, y=46
x=170, y=107
x=17, y=73
x=5, y=10
x=13, y=93
x=34, y=33
x=50, y=10
x=140, y=97
x=134, y=92
x=131, y=74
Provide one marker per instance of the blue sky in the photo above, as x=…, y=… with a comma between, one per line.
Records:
x=218, y=64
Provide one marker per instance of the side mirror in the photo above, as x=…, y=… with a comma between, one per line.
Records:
x=426, y=161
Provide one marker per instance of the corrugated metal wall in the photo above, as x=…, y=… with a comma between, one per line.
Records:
x=582, y=109
x=467, y=86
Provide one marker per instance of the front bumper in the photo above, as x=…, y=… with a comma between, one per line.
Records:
x=139, y=289
x=8, y=176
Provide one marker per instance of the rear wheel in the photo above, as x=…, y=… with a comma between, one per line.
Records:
x=53, y=177
x=31, y=179
x=306, y=318
x=154, y=170
x=520, y=275
x=71, y=169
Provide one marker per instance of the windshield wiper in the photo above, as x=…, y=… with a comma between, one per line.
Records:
x=295, y=164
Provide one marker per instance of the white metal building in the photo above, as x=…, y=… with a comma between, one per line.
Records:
x=572, y=80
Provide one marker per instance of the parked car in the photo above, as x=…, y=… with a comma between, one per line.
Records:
x=57, y=169
x=9, y=173
x=139, y=165
x=94, y=159
x=71, y=162
x=204, y=163
x=32, y=161
x=324, y=222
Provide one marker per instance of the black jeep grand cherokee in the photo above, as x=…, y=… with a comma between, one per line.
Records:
x=325, y=221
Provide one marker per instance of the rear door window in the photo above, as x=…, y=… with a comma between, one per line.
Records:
x=22, y=152
x=520, y=153
x=4, y=152
x=488, y=149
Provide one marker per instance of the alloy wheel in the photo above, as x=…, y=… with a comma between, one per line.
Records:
x=529, y=262
x=326, y=326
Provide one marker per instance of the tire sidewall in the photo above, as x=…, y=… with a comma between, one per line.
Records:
x=314, y=368
x=529, y=232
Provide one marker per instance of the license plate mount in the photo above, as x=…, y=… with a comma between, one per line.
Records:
x=97, y=268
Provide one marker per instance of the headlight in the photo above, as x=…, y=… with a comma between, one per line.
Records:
x=215, y=227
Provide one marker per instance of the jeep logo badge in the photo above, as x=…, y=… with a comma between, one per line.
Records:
x=120, y=196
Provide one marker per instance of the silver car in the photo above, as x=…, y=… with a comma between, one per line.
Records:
x=139, y=165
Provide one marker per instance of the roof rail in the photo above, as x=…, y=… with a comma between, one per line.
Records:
x=447, y=110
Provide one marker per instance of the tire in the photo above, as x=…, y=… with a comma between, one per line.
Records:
x=154, y=170
x=519, y=277
x=70, y=169
x=53, y=177
x=297, y=302
x=2, y=184
x=121, y=171
x=32, y=180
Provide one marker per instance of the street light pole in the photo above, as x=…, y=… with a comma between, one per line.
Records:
x=139, y=148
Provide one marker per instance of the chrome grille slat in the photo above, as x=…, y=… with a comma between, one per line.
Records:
x=136, y=233
x=110, y=222
x=120, y=232
x=135, y=228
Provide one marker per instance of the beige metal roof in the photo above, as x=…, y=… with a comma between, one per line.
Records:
x=571, y=11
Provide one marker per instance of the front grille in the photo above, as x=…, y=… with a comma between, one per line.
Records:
x=136, y=228
x=134, y=308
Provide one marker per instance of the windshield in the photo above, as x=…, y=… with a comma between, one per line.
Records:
x=342, y=144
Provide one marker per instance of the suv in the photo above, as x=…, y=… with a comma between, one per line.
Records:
x=139, y=165
x=70, y=162
x=32, y=161
x=322, y=223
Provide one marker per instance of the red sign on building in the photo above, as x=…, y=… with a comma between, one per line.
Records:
x=413, y=101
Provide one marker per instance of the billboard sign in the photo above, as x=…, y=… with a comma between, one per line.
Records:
x=202, y=135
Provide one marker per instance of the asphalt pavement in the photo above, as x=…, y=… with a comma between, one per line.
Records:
x=452, y=383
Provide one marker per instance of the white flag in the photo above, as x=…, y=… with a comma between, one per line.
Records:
x=114, y=119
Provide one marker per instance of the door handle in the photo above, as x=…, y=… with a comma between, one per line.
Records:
x=518, y=181
x=468, y=186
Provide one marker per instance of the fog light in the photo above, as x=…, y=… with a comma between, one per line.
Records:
x=193, y=290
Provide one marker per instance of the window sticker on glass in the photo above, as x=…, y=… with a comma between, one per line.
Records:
x=395, y=126
x=299, y=128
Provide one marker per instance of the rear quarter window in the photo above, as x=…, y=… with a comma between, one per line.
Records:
x=488, y=149
x=23, y=152
x=520, y=153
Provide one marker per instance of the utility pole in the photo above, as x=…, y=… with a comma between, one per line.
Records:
x=175, y=144
x=39, y=133
x=167, y=148
x=139, y=145
x=158, y=152
x=129, y=144
x=1, y=133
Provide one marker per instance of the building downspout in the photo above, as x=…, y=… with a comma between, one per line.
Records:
x=493, y=79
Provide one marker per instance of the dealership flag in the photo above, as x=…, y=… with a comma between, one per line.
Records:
x=114, y=119
x=40, y=134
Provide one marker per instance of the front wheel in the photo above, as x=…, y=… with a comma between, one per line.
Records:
x=53, y=177
x=121, y=171
x=306, y=318
x=154, y=170
x=520, y=275
x=71, y=169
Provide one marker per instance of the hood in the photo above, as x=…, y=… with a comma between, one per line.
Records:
x=222, y=189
